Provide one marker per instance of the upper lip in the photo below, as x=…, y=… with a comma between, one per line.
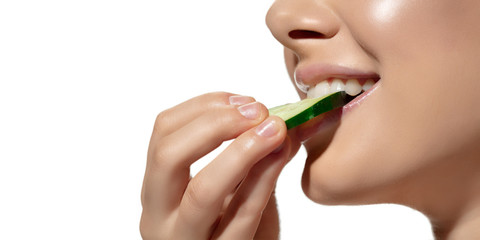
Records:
x=310, y=75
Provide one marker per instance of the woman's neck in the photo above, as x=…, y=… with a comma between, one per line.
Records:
x=466, y=227
x=448, y=194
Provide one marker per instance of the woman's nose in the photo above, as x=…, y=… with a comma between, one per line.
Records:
x=294, y=21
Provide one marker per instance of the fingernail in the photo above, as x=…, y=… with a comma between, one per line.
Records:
x=239, y=100
x=267, y=128
x=250, y=110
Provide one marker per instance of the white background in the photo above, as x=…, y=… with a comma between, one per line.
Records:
x=80, y=85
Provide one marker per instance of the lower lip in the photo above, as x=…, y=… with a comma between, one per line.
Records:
x=330, y=119
x=358, y=100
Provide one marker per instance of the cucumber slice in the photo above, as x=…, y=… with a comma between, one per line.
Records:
x=297, y=113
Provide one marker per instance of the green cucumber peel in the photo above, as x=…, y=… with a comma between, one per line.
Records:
x=300, y=112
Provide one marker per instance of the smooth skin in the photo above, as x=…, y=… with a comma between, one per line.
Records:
x=232, y=197
x=414, y=141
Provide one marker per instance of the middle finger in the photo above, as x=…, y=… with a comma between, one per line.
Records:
x=206, y=192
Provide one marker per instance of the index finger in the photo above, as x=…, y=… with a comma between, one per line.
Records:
x=174, y=118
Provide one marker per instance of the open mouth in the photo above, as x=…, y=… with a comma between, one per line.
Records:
x=358, y=88
x=352, y=87
x=320, y=79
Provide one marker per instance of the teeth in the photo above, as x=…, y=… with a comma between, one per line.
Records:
x=321, y=89
x=353, y=87
x=337, y=86
x=368, y=84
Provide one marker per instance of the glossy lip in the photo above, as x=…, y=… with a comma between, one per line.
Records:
x=311, y=75
x=359, y=99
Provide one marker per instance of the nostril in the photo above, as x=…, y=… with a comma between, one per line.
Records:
x=305, y=34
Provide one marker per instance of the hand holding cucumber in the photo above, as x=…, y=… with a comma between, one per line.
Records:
x=226, y=198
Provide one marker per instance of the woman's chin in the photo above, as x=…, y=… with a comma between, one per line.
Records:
x=330, y=178
x=323, y=186
x=343, y=179
x=328, y=187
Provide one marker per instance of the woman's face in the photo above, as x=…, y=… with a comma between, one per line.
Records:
x=424, y=56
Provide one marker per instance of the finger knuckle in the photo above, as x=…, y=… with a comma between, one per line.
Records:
x=161, y=157
x=161, y=122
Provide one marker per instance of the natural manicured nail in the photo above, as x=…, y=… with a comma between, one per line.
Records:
x=250, y=110
x=267, y=128
x=239, y=100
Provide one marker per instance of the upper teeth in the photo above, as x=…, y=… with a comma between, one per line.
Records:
x=351, y=87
